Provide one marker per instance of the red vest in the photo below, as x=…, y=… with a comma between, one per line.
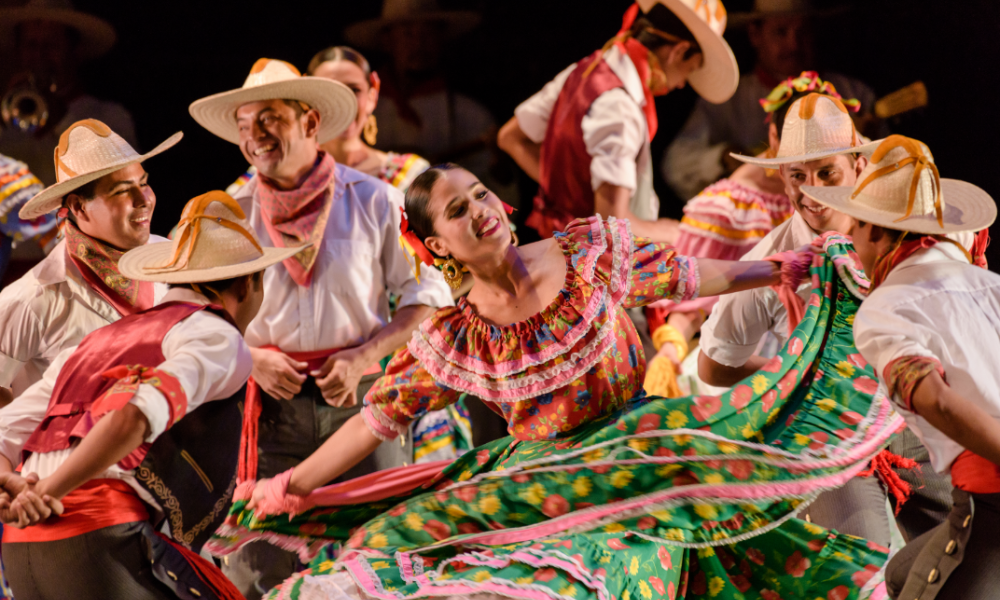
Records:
x=134, y=340
x=565, y=192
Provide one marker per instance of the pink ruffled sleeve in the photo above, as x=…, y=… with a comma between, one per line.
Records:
x=636, y=271
x=405, y=393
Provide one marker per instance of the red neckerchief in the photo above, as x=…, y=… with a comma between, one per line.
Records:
x=294, y=217
x=98, y=264
x=905, y=250
x=640, y=58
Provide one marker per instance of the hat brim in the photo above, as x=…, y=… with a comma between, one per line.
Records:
x=335, y=102
x=866, y=149
x=719, y=75
x=50, y=198
x=967, y=208
x=97, y=36
x=742, y=19
x=366, y=34
x=133, y=264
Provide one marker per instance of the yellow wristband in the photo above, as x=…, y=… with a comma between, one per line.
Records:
x=668, y=333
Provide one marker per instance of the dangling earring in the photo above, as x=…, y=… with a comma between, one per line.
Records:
x=770, y=154
x=370, y=131
x=452, y=271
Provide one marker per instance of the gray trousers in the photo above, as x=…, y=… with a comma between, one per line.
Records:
x=857, y=508
x=929, y=504
x=289, y=431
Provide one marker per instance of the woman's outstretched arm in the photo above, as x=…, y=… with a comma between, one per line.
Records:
x=344, y=449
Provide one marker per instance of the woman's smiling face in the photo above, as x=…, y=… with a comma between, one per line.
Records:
x=469, y=220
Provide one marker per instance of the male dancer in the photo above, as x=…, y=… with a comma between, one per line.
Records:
x=931, y=328
x=101, y=407
x=104, y=192
x=324, y=325
x=585, y=136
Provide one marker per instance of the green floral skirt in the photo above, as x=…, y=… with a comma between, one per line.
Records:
x=681, y=498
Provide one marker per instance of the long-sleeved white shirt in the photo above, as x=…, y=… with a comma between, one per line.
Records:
x=359, y=262
x=614, y=131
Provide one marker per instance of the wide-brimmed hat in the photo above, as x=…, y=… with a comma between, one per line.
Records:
x=816, y=126
x=97, y=36
x=271, y=79
x=88, y=150
x=213, y=241
x=763, y=9
x=367, y=34
x=901, y=189
x=719, y=75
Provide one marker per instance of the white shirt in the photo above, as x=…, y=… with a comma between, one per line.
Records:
x=739, y=321
x=48, y=310
x=359, y=257
x=936, y=304
x=205, y=353
x=614, y=132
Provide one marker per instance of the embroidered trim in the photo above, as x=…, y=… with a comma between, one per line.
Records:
x=380, y=425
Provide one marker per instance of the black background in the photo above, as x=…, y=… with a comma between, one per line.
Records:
x=171, y=53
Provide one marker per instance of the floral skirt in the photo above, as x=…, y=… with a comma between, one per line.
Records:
x=682, y=498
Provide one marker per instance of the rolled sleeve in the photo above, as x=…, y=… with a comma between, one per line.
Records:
x=735, y=328
x=533, y=114
x=613, y=132
x=431, y=290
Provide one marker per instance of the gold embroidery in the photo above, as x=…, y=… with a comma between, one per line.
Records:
x=170, y=504
x=197, y=469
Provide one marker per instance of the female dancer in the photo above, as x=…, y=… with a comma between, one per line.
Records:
x=600, y=491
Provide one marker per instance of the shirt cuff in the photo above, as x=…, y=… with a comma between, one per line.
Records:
x=9, y=368
x=380, y=425
x=725, y=352
x=154, y=406
x=531, y=123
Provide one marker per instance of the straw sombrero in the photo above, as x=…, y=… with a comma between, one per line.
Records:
x=900, y=189
x=213, y=241
x=97, y=36
x=88, y=150
x=367, y=34
x=271, y=79
x=719, y=75
x=763, y=9
x=816, y=126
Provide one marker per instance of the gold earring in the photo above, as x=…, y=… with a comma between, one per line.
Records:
x=452, y=271
x=513, y=238
x=370, y=131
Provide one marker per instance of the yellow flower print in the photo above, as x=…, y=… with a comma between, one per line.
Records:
x=674, y=535
x=614, y=528
x=845, y=369
x=759, y=383
x=714, y=478
x=375, y=526
x=706, y=552
x=682, y=440
x=728, y=448
x=593, y=455
x=524, y=580
x=466, y=474
x=481, y=576
x=533, y=494
x=676, y=419
x=718, y=535
x=621, y=478
x=827, y=404
x=489, y=505
x=850, y=320
x=706, y=511
x=715, y=586
x=667, y=470
x=633, y=567
x=414, y=521
x=454, y=511
x=381, y=564
x=569, y=590
x=748, y=431
x=645, y=590
x=378, y=541
x=327, y=565
x=582, y=486
x=801, y=440
x=813, y=529
x=663, y=515
x=626, y=595
x=639, y=444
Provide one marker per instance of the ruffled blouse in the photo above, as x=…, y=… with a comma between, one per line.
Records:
x=577, y=360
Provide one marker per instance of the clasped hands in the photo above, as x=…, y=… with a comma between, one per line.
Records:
x=23, y=501
x=282, y=377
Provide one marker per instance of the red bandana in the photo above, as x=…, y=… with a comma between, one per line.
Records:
x=98, y=264
x=294, y=217
x=640, y=56
x=887, y=263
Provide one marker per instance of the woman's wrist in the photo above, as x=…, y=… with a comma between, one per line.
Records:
x=296, y=486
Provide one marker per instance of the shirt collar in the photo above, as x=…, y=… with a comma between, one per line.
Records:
x=938, y=253
x=621, y=65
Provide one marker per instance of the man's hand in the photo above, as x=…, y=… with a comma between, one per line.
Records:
x=340, y=375
x=31, y=505
x=277, y=374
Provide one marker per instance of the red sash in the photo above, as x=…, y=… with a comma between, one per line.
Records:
x=974, y=474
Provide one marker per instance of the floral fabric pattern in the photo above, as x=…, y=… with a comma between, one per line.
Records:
x=682, y=498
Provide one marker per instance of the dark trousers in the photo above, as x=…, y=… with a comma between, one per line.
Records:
x=858, y=508
x=929, y=504
x=290, y=431
x=957, y=560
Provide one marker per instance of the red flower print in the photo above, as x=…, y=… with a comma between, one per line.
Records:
x=767, y=594
x=844, y=433
x=797, y=564
x=699, y=584
x=740, y=469
x=741, y=582
x=740, y=397
x=726, y=558
x=521, y=478
x=712, y=464
x=877, y=547
x=767, y=402
x=664, y=555
x=838, y=593
x=545, y=575
x=467, y=528
x=617, y=544
x=795, y=346
x=437, y=529
x=482, y=457
x=648, y=423
x=601, y=469
x=857, y=360
x=671, y=592
x=441, y=496
x=865, y=385
x=583, y=505
x=647, y=523
x=316, y=529
x=466, y=493
x=357, y=537
x=860, y=578
x=734, y=523
x=664, y=452
x=787, y=383
x=685, y=478
x=755, y=556
x=745, y=569
x=495, y=526
x=791, y=419
x=705, y=407
x=819, y=439
x=773, y=365
x=816, y=545
x=657, y=584
x=621, y=426
x=555, y=506
x=851, y=418
x=398, y=510
x=815, y=300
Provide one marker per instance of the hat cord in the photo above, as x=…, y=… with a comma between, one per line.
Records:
x=919, y=160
